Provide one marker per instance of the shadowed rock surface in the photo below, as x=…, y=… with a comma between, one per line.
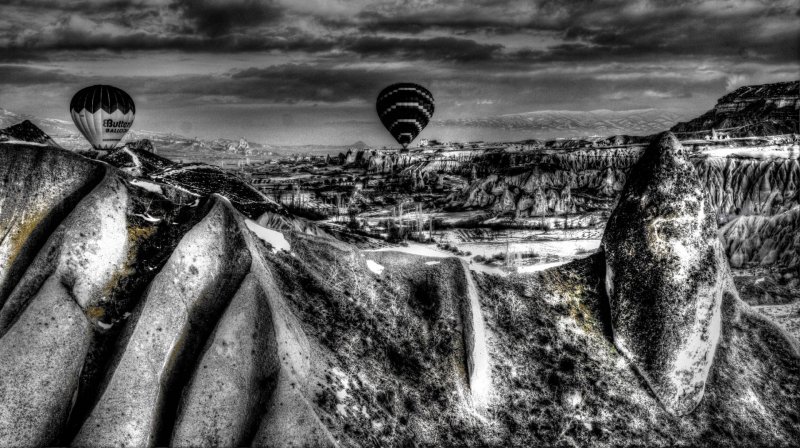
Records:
x=195, y=329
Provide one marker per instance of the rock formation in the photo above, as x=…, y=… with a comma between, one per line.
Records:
x=26, y=132
x=767, y=109
x=739, y=188
x=136, y=311
x=88, y=362
x=666, y=274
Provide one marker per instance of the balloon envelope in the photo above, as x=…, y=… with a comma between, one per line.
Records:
x=103, y=114
x=405, y=109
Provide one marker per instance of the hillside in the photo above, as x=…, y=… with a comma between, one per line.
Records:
x=142, y=308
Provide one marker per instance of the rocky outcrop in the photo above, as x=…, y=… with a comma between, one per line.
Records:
x=666, y=275
x=31, y=207
x=240, y=380
x=763, y=240
x=556, y=344
x=205, y=180
x=448, y=293
x=191, y=289
x=26, y=132
x=198, y=359
x=767, y=109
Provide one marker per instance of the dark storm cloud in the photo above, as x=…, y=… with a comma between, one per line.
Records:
x=437, y=48
x=219, y=17
x=147, y=25
x=575, y=31
x=685, y=33
x=602, y=29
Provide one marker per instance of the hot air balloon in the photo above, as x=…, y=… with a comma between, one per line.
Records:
x=405, y=109
x=103, y=114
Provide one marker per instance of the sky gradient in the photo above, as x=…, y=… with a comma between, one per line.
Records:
x=308, y=71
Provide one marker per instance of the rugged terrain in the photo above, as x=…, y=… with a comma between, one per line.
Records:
x=144, y=303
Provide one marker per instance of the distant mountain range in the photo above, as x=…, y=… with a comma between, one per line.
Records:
x=598, y=122
x=175, y=146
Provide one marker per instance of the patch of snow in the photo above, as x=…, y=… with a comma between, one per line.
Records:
x=15, y=141
x=136, y=162
x=427, y=251
x=149, y=186
x=431, y=263
x=375, y=267
x=273, y=237
x=480, y=380
x=416, y=249
x=147, y=217
x=539, y=267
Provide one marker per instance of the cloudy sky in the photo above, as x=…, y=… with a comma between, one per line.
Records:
x=308, y=71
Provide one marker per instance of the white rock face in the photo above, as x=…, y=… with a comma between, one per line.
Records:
x=192, y=287
x=666, y=274
x=44, y=315
x=42, y=354
x=228, y=388
x=31, y=206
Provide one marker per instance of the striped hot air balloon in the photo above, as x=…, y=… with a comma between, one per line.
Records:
x=405, y=109
x=103, y=114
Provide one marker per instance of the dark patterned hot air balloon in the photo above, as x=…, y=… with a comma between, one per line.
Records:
x=103, y=114
x=405, y=109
